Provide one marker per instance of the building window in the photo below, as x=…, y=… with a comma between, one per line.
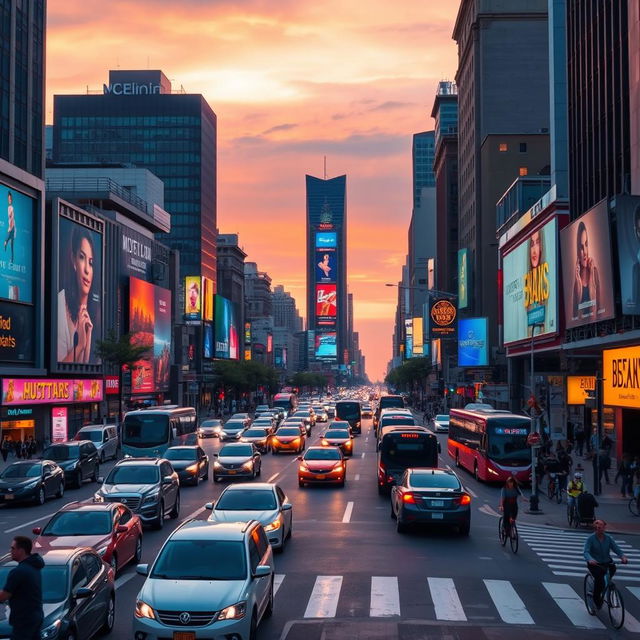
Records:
x=524, y=171
x=523, y=147
x=503, y=146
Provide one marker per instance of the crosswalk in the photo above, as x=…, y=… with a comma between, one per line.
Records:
x=562, y=551
x=446, y=599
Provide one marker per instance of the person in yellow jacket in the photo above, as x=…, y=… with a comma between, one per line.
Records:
x=574, y=489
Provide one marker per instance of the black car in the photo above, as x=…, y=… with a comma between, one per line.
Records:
x=190, y=463
x=31, y=481
x=77, y=593
x=79, y=460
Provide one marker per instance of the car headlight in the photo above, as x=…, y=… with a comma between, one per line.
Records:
x=223, y=434
x=153, y=497
x=234, y=612
x=248, y=465
x=143, y=610
x=217, y=465
x=303, y=467
x=98, y=497
x=31, y=485
x=51, y=631
x=193, y=468
x=338, y=467
x=325, y=443
x=274, y=526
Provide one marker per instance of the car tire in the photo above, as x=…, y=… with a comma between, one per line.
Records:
x=71, y=635
x=475, y=472
x=253, y=630
x=206, y=475
x=274, y=451
x=457, y=459
x=78, y=479
x=196, y=480
x=102, y=458
x=401, y=527
x=137, y=556
x=175, y=511
x=464, y=529
x=109, y=616
x=40, y=497
x=268, y=612
x=392, y=513
x=290, y=530
x=114, y=563
x=158, y=523
x=60, y=491
x=96, y=473
x=259, y=469
x=380, y=490
x=341, y=484
x=301, y=484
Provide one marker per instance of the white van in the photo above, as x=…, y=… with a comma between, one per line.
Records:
x=104, y=436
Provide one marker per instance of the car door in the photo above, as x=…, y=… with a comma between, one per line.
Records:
x=49, y=481
x=257, y=551
x=96, y=603
x=257, y=458
x=81, y=612
x=203, y=462
x=287, y=515
x=126, y=540
x=170, y=491
x=88, y=457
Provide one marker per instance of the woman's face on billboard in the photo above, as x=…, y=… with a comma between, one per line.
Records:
x=583, y=250
x=83, y=265
x=535, y=249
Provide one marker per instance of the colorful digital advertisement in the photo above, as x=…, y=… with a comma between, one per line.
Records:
x=326, y=239
x=326, y=345
x=628, y=224
x=326, y=265
x=50, y=391
x=473, y=342
x=226, y=330
x=326, y=295
x=192, y=299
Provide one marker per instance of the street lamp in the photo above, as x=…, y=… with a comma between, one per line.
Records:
x=533, y=501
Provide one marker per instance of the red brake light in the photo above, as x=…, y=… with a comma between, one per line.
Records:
x=409, y=498
x=465, y=499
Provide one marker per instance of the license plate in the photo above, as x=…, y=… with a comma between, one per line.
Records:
x=320, y=476
x=8, y=496
x=230, y=473
x=184, y=635
x=437, y=503
x=437, y=516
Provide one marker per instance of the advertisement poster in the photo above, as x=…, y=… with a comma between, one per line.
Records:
x=50, y=391
x=442, y=318
x=150, y=325
x=16, y=332
x=326, y=265
x=628, y=223
x=207, y=300
x=473, y=342
x=530, y=303
x=326, y=239
x=408, y=338
x=326, y=345
x=579, y=388
x=247, y=334
x=136, y=254
x=621, y=373
x=418, y=337
x=226, y=330
x=207, y=341
x=16, y=251
x=79, y=292
x=326, y=295
x=192, y=299
x=463, y=279
x=586, y=268
x=59, y=430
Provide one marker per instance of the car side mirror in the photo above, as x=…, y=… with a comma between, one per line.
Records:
x=262, y=570
x=209, y=505
x=100, y=479
x=167, y=480
x=83, y=592
x=299, y=458
x=37, y=530
x=287, y=506
x=142, y=569
x=215, y=455
x=121, y=529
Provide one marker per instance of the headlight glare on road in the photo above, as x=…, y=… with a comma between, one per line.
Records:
x=234, y=612
x=51, y=632
x=143, y=610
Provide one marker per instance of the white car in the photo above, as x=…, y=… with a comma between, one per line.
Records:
x=441, y=423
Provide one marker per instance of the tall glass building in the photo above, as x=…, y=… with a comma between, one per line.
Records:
x=138, y=119
x=423, y=153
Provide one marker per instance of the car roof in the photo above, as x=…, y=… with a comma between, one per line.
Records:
x=184, y=446
x=57, y=556
x=23, y=462
x=207, y=530
x=91, y=506
x=68, y=443
x=259, y=486
x=236, y=444
x=149, y=462
x=428, y=471
x=318, y=448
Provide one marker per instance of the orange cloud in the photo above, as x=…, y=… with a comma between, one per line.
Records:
x=290, y=83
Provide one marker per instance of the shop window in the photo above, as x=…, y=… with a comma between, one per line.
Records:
x=524, y=171
x=503, y=146
x=523, y=147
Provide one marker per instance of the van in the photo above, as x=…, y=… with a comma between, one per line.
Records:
x=103, y=436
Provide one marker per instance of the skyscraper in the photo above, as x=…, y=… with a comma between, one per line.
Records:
x=327, y=267
x=138, y=119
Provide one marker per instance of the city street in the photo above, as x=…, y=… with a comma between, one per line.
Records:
x=346, y=573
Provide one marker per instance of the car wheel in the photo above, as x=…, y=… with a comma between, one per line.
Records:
x=206, y=474
x=465, y=528
x=40, y=496
x=196, y=480
x=300, y=484
x=60, y=491
x=158, y=523
x=71, y=635
x=253, y=631
x=392, y=514
x=457, y=459
x=268, y=612
x=401, y=527
x=137, y=556
x=109, y=616
x=96, y=473
x=341, y=484
x=114, y=563
x=259, y=469
x=215, y=478
x=475, y=472
x=274, y=451
x=290, y=531
x=175, y=512
x=102, y=458
x=78, y=479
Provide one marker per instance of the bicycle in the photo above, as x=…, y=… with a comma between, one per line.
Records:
x=611, y=596
x=513, y=534
x=553, y=488
x=634, y=506
x=572, y=514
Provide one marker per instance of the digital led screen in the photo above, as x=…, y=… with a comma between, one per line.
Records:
x=326, y=345
x=226, y=329
x=326, y=265
x=192, y=299
x=326, y=295
x=463, y=279
x=473, y=342
x=207, y=341
x=408, y=338
x=326, y=239
x=628, y=224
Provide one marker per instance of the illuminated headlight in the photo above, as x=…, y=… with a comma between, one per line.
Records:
x=248, y=465
x=490, y=470
x=143, y=610
x=51, y=631
x=338, y=467
x=97, y=497
x=217, y=465
x=234, y=612
x=303, y=467
x=150, y=498
x=325, y=443
x=223, y=434
x=348, y=444
x=193, y=468
x=274, y=526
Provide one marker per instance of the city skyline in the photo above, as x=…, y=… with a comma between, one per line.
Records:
x=287, y=90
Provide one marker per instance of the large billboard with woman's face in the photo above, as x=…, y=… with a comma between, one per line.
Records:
x=586, y=268
x=226, y=329
x=628, y=224
x=79, y=287
x=530, y=294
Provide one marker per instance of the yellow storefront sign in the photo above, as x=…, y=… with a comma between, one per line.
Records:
x=579, y=388
x=621, y=372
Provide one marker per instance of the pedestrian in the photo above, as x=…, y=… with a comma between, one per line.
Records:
x=604, y=462
x=578, y=432
x=607, y=444
x=625, y=473
x=18, y=448
x=564, y=462
x=23, y=590
x=4, y=448
x=24, y=449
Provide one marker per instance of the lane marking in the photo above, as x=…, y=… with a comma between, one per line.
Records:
x=26, y=524
x=277, y=581
x=362, y=454
x=385, y=597
x=445, y=599
x=347, y=512
x=273, y=477
x=485, y=508
x=194, y=514
x=572, y=605
x=508, y=602
x=357, y=476
x=323, y=602
x=122, y=580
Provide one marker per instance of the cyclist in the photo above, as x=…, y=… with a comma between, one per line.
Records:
x=509, y=503
x=574, y=489
x=597, y=552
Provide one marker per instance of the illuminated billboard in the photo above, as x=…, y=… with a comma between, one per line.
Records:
x=150, y=325
x=192, y=299
x=418, y=337
x=326, y=239
x=442, y=318
x=408, y=338
x=530, y=302
x=326, y=265
x=586, y=268
x=17, y=215
x=79, y=299
x=226, y=329
x=628, y=224
x=207, y=341
x=207, y=300
x=326, y=345
x=463, y=279
x=621, y=377
x=473, y=342
x=326, y=296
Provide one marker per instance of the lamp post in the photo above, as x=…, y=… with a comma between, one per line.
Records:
x=533, y=501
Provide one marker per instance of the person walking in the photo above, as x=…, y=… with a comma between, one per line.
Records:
x=578, y=432
x=604, y=463
x=4, y=448
x=23, y=591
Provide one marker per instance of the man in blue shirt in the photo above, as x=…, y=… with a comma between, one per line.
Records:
x=597, y=552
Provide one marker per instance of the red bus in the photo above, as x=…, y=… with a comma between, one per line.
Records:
x=492, y=444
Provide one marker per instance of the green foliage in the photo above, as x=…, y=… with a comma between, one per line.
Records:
x=309, y=379
x=245, y=375
x=408, y=373
x=120, y=351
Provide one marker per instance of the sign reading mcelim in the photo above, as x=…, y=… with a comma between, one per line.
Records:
x=622, y=377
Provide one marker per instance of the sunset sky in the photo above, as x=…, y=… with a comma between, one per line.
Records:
x=290, y=82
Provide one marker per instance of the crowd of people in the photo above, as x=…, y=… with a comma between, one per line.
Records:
x=20, y=449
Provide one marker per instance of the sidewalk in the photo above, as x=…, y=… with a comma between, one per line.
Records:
x=613, y=508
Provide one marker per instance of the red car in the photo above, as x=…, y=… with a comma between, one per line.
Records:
x=110, y=528
x=322, y=465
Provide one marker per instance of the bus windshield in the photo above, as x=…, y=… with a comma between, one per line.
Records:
x=507, y=441
x=409, y=450
x=348, y=410
x=147, y=430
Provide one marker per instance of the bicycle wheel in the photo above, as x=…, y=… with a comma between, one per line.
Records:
x=616, y=606
x=502, y=534
x=634, y=507
x=589, y=584
x=551, y=489
x=558, y=494
x=570, y=512
x=513, y=538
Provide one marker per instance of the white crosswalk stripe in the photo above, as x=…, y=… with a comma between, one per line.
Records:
x=509, y=600
x=562, y=551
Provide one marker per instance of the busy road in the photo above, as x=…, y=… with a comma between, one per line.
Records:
x=346, y=571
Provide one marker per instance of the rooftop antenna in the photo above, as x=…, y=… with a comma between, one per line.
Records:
x=325, y=167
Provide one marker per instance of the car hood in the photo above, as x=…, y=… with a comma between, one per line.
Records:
x=65, y=464
x=233, y=459
x=52, y=611
x=46, y=543
x=263, y=517
x=16, y=483
x=181, y=465
x=287, y=438
x=337, y=441
x=192, y=595
x=127, y=489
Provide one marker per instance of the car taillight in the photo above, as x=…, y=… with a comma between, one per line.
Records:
x=465, y=499
x=409, y=498
x=382, y=472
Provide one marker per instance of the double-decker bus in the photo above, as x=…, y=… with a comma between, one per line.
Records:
x=150, y=432
x=492, y=444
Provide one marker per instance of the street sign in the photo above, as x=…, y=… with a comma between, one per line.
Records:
x=534, y=439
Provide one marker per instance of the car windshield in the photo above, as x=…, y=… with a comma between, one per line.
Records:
x=322, y=454
x=255, y=433
x=336, y=433
x=94, y=436
x=385, y=422
x=234, y=424
x=340, y=424
x=241, y=450
x=288, y=431
x=22, y=471
x=147, y=430
x=210, y=423
x=434, y=480
x=79, y=523
x=131, y=474
x=201, y=560
x=55, y=580
x=508, y=441
x=409, y=450
x=247, y=500
x=348, y=410
x=443, y=418
x=181, y=454
x=60, y=453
